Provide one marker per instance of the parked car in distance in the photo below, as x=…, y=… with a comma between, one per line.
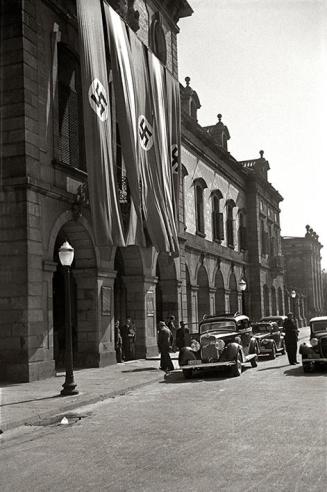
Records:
x=270, y=338
x=275, y=318
x=314, y=352
x=222, y=341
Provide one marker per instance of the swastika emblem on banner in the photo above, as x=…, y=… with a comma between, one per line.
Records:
x=174, y=157
x=98, y=99
x=145, y=133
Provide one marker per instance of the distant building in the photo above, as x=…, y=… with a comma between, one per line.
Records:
x=230, y=215
x=303, y=275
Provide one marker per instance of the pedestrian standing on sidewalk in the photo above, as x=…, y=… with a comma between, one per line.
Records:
x=291, y=337
x=164, y=345
x=131, y=332
x=118, y=342
x=171, y=326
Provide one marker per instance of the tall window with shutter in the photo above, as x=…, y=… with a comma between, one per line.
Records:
x=70, y=115
x=230, y=223
x=199, y=186
x=217, y=217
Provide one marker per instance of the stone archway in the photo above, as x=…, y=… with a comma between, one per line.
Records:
x=203, y=293
x=166, y=291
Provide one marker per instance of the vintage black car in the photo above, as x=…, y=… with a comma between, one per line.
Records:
x=270, y=338
x=314, y=352
x=222, y=341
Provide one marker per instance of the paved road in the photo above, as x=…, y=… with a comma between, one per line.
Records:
x=264, y=431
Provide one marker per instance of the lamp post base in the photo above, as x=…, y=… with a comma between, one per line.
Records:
x=69, y=389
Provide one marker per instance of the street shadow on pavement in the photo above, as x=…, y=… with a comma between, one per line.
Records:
x=31, y=400
x=142, y=369
x=298, y=371
x=272, y=367
x=178, y=378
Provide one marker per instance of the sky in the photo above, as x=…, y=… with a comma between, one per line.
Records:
x=262, y=64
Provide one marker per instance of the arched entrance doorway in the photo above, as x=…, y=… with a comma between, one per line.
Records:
x=166, y=290
x=120, y=293
x=233, y=294
x=83, y=298
x=266, y=310
x=203, y=293
x=188, y=298
x=220, y=293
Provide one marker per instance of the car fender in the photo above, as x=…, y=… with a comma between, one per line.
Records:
x=186, y=354
x=230, y=352
x=305, y=349
x=253, y=345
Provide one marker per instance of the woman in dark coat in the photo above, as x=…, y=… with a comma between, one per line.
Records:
x=291, y=337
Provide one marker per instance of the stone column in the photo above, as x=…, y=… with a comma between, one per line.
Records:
x=141, y=305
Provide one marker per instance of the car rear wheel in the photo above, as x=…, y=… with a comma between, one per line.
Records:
x=236, y=369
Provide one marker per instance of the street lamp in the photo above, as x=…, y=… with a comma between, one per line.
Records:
x=242, y=286
x=66, y=256
x=293, y=295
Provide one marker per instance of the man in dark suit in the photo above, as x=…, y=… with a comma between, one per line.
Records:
x=164, y=345
x=291, y=337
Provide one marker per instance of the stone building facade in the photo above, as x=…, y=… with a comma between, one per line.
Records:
x=228, y=212
x=303, y=275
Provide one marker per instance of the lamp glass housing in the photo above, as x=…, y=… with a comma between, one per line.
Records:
x=293, y=293
x=66, y=254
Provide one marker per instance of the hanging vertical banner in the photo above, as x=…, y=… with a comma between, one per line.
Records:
x=174, y=133
x=163, y=168
x=152, y=193
x=102, y=184
x=122, y=69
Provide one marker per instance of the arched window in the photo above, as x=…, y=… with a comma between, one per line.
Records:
x=217, y=217
x=273, y=301
x=199, y=186
x=157, y=38
x=70, y=113
x=230, y=204
x=266, y=309
x=280, y=301
x=233, y=294
x=264, y=241
x=242, y=231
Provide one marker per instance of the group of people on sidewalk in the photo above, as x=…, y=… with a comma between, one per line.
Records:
x=125, y=340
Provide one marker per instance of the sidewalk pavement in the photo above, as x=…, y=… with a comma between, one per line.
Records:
x=34, y=402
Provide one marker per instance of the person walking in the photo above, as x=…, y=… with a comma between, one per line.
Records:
x=164, y=345
x=291, y=337
x=180, y=336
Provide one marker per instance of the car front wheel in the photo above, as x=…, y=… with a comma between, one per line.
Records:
x=237, y=367
x=188, y=373
x=254, y=362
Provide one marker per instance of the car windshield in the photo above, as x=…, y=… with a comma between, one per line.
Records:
x=226, y=326
x=320, y=325
x=261, y=328
x=280, y=322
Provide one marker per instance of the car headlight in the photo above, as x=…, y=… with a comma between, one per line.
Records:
x=314, y=342
x=195, y=346
x=220, y=344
